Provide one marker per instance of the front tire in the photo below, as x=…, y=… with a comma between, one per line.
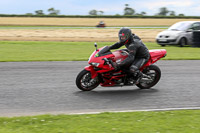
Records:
x=183, y=42
x=154, y=74
x=85, y=82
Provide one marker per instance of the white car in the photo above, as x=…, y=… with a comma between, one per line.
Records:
x=178, y=34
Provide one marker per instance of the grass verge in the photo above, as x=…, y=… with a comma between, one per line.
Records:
x=182, y=121
x=76, y=51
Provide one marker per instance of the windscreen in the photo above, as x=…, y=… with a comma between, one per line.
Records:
x=104, y=51
x=181, y=26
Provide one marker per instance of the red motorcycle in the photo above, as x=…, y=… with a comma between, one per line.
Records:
x=102, y=70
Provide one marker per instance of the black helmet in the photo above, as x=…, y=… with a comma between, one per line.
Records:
x=124, y=35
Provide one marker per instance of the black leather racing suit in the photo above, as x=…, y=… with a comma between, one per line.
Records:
x=138, y=53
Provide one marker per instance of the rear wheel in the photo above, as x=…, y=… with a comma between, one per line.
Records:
x=152, y=76
x=85, y=82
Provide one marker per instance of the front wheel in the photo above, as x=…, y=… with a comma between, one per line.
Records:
x=85, y=82
x=182, y=42
x=152, y=76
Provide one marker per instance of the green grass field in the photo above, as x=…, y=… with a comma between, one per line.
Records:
x=184, y=121
x=76, y=51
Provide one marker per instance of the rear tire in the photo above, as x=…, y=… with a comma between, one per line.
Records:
x=152, y=71
x=85, y=82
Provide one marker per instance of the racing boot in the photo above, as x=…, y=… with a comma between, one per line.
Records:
x=136, y=73
x=138, y=77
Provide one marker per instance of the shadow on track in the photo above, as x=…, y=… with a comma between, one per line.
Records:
x=130, y=94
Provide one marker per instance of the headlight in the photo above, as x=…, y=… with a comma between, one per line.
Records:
x=94, y=64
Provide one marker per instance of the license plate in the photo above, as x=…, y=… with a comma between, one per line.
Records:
x=162, y=40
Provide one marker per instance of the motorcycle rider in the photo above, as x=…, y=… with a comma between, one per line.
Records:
x=138, y=52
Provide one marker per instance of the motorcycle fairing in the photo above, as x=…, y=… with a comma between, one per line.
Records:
x=155, y=55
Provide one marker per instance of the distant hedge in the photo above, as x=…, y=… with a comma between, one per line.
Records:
x=101, y=16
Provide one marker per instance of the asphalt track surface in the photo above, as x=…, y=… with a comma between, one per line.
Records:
x=31, y=88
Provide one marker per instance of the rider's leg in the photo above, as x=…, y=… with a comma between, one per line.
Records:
x=136, y=65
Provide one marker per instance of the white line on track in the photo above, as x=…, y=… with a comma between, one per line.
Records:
x=145, y=110
x=90, y=112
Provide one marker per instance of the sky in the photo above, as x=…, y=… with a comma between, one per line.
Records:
x=109, y=7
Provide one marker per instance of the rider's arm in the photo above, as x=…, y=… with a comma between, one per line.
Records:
x=131, y=56
x=115, y=46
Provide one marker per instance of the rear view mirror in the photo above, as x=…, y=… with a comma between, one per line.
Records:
x=95, y=45
x=190, y=30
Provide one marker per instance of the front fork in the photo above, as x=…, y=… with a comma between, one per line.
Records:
x=94, y=74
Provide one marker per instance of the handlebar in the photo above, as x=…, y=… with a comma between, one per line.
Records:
x=110, y=62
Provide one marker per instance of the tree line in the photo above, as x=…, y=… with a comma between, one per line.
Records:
x=128, y=11
x=51, y=11
x=163, y=11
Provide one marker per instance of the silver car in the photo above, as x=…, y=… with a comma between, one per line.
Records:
x=178, y=34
